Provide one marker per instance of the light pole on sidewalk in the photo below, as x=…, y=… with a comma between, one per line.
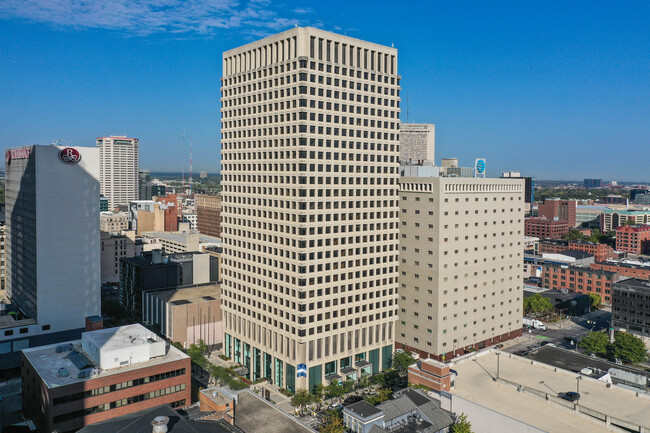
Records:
x=498, y=363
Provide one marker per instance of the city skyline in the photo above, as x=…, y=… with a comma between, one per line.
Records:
x=504, y=82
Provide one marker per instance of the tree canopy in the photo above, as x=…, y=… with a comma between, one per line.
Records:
x=332, y=424
x=595, y=300
x=301, y=398
x=537, y=304
x=461, y=425
x=402, y=360
x=595, y=342
x=628, y=348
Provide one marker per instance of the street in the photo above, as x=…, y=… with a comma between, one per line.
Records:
x=558, y=333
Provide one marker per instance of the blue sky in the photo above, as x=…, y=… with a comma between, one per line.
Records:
x=555, y=89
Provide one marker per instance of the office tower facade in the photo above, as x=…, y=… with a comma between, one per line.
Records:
x=52, y=238
x=309, y=174
x=593, y=183
x=417, y=142
x=144, y=185
x=208, y=214
x=119, y=169
x=461, y=273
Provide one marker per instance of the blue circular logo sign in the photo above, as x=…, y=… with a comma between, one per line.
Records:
x=480, y=166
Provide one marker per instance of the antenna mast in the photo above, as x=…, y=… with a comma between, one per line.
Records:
x=191, y=168
x=408, y=107
x=183, y=161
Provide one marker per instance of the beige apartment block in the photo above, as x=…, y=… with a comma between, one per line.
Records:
x=461, y=267
x=417, y=142
x=309, y=134
x=113, y=221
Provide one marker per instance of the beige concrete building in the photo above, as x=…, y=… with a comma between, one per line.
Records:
x=182, y=241
x=2, y=262
x=461, y=275
x=118, y=169
x=309, y=135
x=208, y=214
x=113, y=221
x=417, y=142
x=115, y=247
x=186, y=314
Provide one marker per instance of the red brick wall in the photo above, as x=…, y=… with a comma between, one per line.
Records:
x=120, y=394
x=584, y=280
x=624, y=271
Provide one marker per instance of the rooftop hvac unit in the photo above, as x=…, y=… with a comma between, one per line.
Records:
x=63, y=348
x=63, y=372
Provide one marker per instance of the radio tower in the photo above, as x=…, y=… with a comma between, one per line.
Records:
x=191, y=168
x=183, y=162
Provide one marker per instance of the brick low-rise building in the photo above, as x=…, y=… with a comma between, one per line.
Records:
x=579, y=280
x=559, y=210
x=543, y=228
x=625, y=268
x=108, y=373
x=633, y=239
x=432, y=374
x=601, y=252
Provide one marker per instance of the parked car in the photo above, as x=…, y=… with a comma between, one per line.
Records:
x=521, y=353
x=548, y=343
x=352, y=399
x=499, y=346
x=570, y=396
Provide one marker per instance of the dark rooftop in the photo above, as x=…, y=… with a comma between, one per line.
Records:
x=140, y=422
x=572, y=361
x=363, y=409
x=576, y=254
x=634, y=283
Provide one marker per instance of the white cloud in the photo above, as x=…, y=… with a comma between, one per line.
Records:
x=144, y=17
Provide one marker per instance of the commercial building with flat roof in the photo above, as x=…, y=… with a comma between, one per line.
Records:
x=633, y=239
x=555, y=209
x=186, y=314
x=208, y=214
x=182, y=241
x=114, y=221
x=611, y=219
x=461, y=278
x=108, y=373
x=580, y=280
x=310, y=206
x=631, y=306
x=626, y=268
x=544, y=228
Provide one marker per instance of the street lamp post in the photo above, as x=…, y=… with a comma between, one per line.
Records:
x=578, y=384
x=498, y=363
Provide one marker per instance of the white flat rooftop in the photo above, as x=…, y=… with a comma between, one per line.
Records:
x=119, y=337
x=47, y=362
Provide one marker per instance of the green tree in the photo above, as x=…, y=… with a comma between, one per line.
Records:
x=628, y=348
x=348, y=386
x=573, y=235
x=301, y=398
x=378, y=379
x=461, y=424
x=594, y=300
x=334, y=390
x=537, y=304
x=333, y=423
x=401, y=362
x=595, y=342
x=318, y=391
x=383, y=394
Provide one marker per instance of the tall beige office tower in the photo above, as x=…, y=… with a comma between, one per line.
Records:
x=118, y=169
x=310, y=206
x=461, y=275
x=417, y=142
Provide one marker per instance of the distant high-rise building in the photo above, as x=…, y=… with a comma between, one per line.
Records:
x=208, y=214
x=310, y=208
x=118, y=164
x=529, y=187
x=460, y=263
x=158, y=190
x=144, y=185
x=593, y=183
x=203, y=175
x=52, y=241
x=417, y=142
